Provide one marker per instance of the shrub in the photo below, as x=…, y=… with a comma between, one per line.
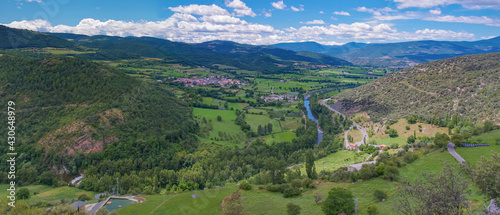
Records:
x=306, y=182
x=372, y=209
x=291, y=192
x=245, y=186
x=292, y=209
x=23, y=193
x=380, y=195
x=296, y=183
x=273, y=188
x=84, y=197
x=407, y=127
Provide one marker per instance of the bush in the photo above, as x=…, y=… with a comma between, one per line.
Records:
x=291, y=192
x=380, y=195
x=372, y=209
x=84, y=197
x=306, y=183
x=23, y=193
x=245, y=186
x=391, y=173
x=407, y=127
x=292, y=209
x=296, y=183
x=273, y=188
x=393, y=133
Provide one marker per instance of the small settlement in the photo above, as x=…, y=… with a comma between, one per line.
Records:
x=215, y=80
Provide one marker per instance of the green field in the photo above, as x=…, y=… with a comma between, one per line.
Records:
x=226, y=125
x=474, y=154
x=286, y=136
x=336, y=160
x=50, y=194
x=255, y=120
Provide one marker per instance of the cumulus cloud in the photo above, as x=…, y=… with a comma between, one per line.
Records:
x=202, y=10
x=435, y=15
x=469, y=4
x=381, y=32
x=201, y=23
x=278, y=5
x=300, y=8
x=39, y=1
x=341, y=13
x=465, y=19
x=240, y=8
x=435, y=12
x=314, y=22
x=375, y=11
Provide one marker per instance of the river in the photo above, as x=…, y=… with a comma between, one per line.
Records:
x=313, y=118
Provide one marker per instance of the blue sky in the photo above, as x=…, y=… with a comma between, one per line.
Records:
x=262, y=21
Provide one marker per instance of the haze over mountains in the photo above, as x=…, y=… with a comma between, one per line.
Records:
x=397, y=55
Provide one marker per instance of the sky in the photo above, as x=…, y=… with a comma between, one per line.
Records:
x=262, y=22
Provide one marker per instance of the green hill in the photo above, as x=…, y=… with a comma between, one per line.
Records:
x=70, y=112
x=16, y=38
x=466, y=85
x=265, y=59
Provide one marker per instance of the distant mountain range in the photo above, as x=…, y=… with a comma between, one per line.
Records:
x=214, y=54
x=397, y=55
x=466, y=85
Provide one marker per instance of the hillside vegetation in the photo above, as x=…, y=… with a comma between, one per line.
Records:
x=466, y=85
x=67, y=108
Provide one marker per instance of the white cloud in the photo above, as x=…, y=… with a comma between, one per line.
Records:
x=314, y=22
x=266, y=13
x=341, y=13
x=200, y=23
x=222, y=19
x=469, y=4
x=240, y=8
x=435, y=16
x=375, y=11
x=300, y=8
x=435, y=12
x=39, y=1
x=278, y=5
x=381, y=32
x=321, y=12
x=465, y=19
x=202, y=10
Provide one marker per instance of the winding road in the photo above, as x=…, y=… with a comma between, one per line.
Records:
x=365, y=135
x=452, y=151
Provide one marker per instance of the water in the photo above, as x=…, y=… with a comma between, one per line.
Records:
x=116, y=203
x=307, y=104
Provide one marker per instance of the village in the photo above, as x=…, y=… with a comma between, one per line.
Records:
x=215, y=80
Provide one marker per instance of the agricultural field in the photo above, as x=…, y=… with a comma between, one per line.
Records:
x=226, y=127
x=474, y=154
x=49, y=194
x=286, y=136
x=255, y=120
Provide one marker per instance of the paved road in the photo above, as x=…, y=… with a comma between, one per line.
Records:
x=365, y=135
x=452, y=151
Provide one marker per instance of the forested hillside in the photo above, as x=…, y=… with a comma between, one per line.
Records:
x=11, y=38
x=71, y=114
x=466, y=85
x=247, y=57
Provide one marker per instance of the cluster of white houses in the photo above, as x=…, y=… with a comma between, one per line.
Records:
x=216, y=80
x=293, y=96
